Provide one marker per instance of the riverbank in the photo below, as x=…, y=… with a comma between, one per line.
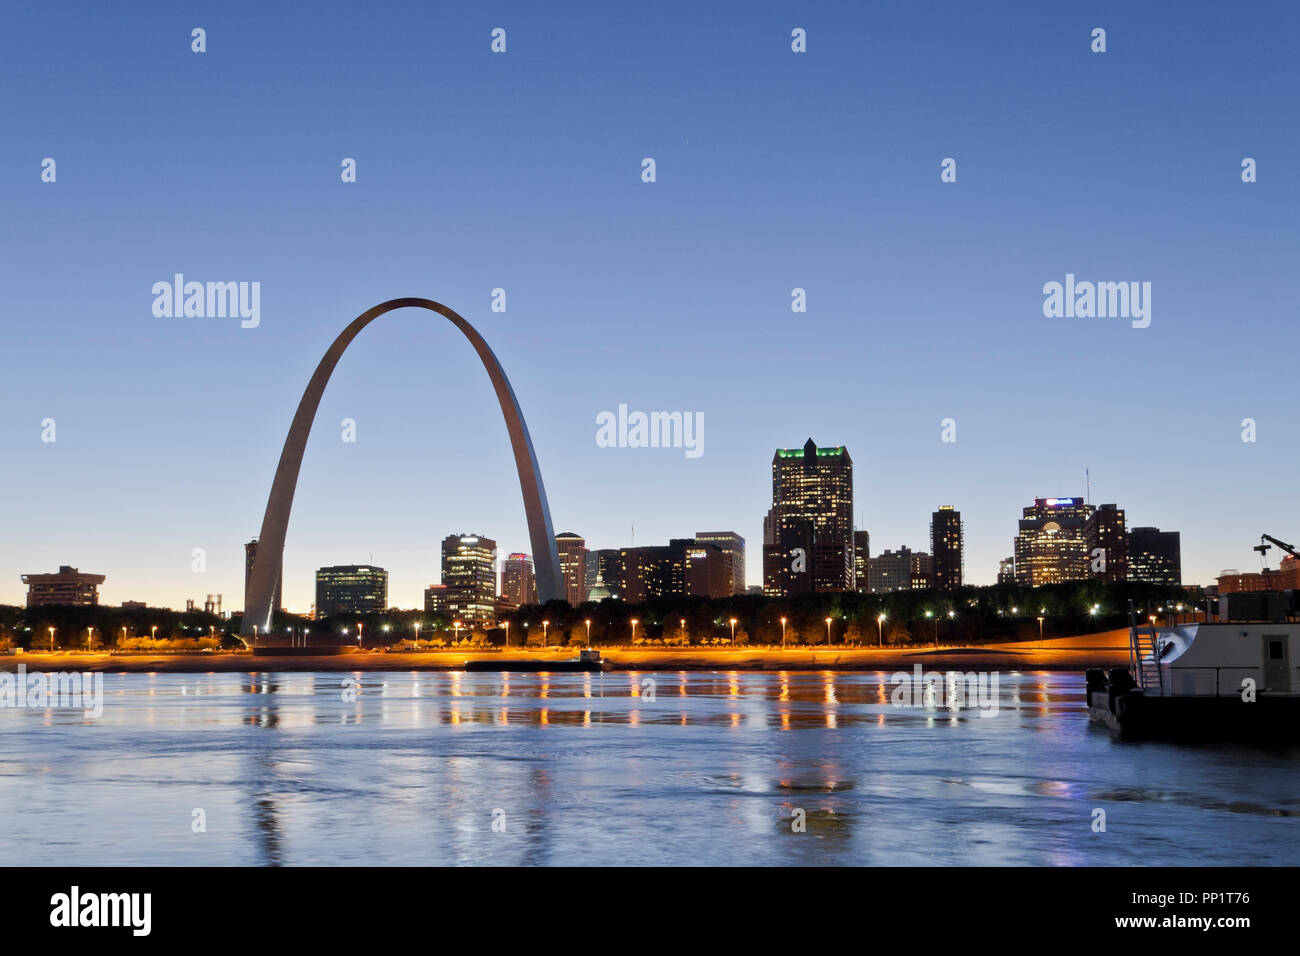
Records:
x=1107, y=649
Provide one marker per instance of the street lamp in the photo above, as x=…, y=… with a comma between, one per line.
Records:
x=455, y=627
x=51, y=640
x=359, y=634
x=733, y=632
x=880, y=629
x=90, y=634
x=588, y=623
x=153, y=631
x=507, y=624
x=682, y=622
x=1040, y=632
x=828, y=632
x=782, y=633
x=545, y=626
x=634, y=623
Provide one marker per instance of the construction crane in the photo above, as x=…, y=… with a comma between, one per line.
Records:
x=1266, y=541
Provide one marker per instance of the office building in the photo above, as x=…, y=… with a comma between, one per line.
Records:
x=810, y=525
x=733, y=545
x=67, y=586
x=1106, y=540
x=861, y=559
x=683, y=567
x=607, y=579
x=1155, y=556
x=1051, y=545
x=901, y=570
x=946, y=548
x=469, y=563
x=573, y=566
x=346, y=589
x=518, y=582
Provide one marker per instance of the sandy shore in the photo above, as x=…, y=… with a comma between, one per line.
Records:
x=1108, y=649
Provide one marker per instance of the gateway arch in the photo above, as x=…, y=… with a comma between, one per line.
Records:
x=275, y=523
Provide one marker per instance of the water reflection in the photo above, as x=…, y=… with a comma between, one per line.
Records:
x=640, y=767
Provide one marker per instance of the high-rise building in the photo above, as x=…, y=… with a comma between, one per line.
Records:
x=250, y=552
x=469, y=563
x=861, y=559
x=351, y=589
x=573, y=566
x=1007, y=571
x=607, y=565
x=518, y=581
x=729, y=543
x=67, y=586
x=811, y=526
x=437, y=601
x=1106, y=541
x=683, y=567
x=1051, y=545
x=946, y=547
x=901, y=570
x=1155, y=556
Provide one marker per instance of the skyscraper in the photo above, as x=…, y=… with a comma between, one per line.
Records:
x=573, y=566
x=608, y=564
x=469, y=563
x=946, y=547
x=861, y=559
x=1155, y=556
x=811, y=521
x=1051, y=545
x=1107, y=542
x=250, y=552
x=518, y=582
x=729, y=543
x=351, y=589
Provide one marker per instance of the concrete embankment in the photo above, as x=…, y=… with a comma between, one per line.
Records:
x=1106, y=649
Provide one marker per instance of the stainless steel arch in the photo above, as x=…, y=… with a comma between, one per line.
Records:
x=275, y=523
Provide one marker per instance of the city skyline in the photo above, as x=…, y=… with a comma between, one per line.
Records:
x=922, y=296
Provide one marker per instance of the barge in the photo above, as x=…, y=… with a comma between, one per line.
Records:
x=1220, y=681
x=587, y=661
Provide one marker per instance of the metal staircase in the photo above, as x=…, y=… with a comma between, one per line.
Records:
x=1143, y=650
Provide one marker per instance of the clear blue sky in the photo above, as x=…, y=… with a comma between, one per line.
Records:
x=522, y=171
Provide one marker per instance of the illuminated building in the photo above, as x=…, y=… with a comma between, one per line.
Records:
x=518, y=583
x=731, y=544
x=573, y=566
x=1107, y=542
x=67, y=586
x=901, y=570
x=811, y=522
x=469, y=564
x=861, y=559
x=1051, y=545
x=351, y=589
x=606, y=573
x=683, y=567
x=946, y=548
x=1155, y=556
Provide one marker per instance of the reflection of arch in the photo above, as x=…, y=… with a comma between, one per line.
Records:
x=270, y=543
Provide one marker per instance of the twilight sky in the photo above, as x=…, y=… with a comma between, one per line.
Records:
x=522, y=171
